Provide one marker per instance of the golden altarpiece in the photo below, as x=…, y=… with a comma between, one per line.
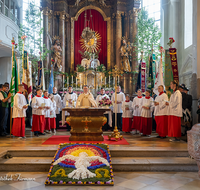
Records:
x=59, y=17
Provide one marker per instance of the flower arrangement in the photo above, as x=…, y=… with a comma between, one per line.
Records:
x=23, y=37
x=105, y=102
x=81, y=164
x=162, y=50
x=171, y=41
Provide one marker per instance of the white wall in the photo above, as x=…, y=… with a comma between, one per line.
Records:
x=5, y=70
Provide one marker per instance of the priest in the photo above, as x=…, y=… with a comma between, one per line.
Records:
x=58, y=101
x=19, y=113
x=117, y=108
x=107, y=114
x=38, y=106
x=160, y=113
x=86, y=99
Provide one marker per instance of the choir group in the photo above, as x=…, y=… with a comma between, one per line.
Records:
x=132, y=116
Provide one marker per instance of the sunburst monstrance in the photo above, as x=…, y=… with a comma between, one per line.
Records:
x=93, y=43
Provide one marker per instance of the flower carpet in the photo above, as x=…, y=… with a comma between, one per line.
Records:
x=81, y=164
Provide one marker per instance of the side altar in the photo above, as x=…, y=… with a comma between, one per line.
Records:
x=86, y=123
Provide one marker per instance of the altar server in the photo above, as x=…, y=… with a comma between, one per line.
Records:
x=4, y=98
x=58, y=101
x=136, y=125
x=70, y=98
x=146, y=113
x=38, y=111
x=117, y=108
x=127, y=114
x=47, y=111
x=19, y=113
x=86, y=99
x=160, y=113
x=174, y=112
x=52, y=114
x=107, y=114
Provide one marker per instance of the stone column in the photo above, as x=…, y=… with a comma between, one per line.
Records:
x=134, y=59
x=118, y=38
x=72, y=44
x=131, y=25
x=55, y=24
x=62, y=37
x=126, y=25
x=46, y=42
x=113, y=40
x=108, y=43
x=68, y=45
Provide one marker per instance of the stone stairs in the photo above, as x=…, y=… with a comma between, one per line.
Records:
x=123, y=159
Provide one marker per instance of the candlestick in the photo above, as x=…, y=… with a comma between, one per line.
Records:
x=72, y=80
x=101, y=80
x=76, y=82
x=67, y=81
x=105, y=81
x=118, y=80
x=63, y=83
x=114, y=81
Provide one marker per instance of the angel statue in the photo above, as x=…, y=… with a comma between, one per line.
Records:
x=57, y=54
x=82, y=162
x=102, y=2
x=125, y=51
x=77, y=2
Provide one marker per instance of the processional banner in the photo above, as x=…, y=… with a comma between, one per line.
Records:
x=174, y=64
x=154, y=67
x=143, y=77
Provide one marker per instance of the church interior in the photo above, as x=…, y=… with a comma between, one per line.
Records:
x=99, y=94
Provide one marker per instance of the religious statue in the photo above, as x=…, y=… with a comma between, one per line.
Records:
x=57, y=54
x=126, y=51
x=102, y=2
x=77, y=2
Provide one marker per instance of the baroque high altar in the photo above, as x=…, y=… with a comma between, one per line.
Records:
x=65, y=20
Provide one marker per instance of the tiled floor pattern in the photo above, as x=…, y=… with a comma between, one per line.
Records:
x=123, y=181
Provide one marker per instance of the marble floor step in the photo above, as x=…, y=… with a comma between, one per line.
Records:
x=115, y=152
x=42, y=164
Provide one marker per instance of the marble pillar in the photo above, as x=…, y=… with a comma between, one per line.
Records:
x=68, y=45
x=118, y=38
x=45, y=33
x=62, y=37
x=113, y=58
x=126, y=25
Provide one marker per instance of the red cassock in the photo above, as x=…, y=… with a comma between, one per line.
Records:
x=162, y=125
x=38, y=123
x=146, y=126
x=47, y=123
x=126, y=124
x=136, y=124
x=53, y=123
x=174, y=126
x=18, y=127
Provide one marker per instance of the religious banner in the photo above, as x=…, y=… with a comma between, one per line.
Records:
x=168, y=73
x=138, y=85
x=143, y=77
x=151, y=81
x=154, y=67
x=25, y=60
x=174, y=64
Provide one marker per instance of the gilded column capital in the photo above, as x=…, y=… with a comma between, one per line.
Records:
x=46, y=11
x=62, y=15
x=113, y=15
x=136, y=11
x=119, y=14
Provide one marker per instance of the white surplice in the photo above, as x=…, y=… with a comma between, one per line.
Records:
x=120, y=98
x=136, y=106
x=161, y=109
x=127, y=113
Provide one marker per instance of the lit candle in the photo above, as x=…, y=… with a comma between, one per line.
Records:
x=109, y=81
x=105, y=81
x=118, y=80
x=101, y=80
x=76, y=82
x=63, y=83
x=114, y=81
x=72, y=80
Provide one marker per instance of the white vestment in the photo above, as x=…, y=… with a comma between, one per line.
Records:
x=47, y=111
x=175, y=104
x=120, y=98
x=127, y=113
x=68, y=97
x=136, y=106
x=147, y=103
x=37, y=102
x=161, y=109
x=19, y=102
x=58, y=101
x=53, y=110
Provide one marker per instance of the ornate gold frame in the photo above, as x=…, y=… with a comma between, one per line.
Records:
x=108, y=19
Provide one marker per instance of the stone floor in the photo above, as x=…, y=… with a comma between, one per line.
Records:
x=123, y=181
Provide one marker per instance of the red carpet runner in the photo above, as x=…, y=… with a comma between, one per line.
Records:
x=56, y=139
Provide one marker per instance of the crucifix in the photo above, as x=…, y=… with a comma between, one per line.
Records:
x=86, y=121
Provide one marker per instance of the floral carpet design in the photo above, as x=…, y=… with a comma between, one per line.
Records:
x=81, y=164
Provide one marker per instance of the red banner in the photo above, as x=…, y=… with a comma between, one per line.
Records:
x=143, y=77
x=173, y=57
